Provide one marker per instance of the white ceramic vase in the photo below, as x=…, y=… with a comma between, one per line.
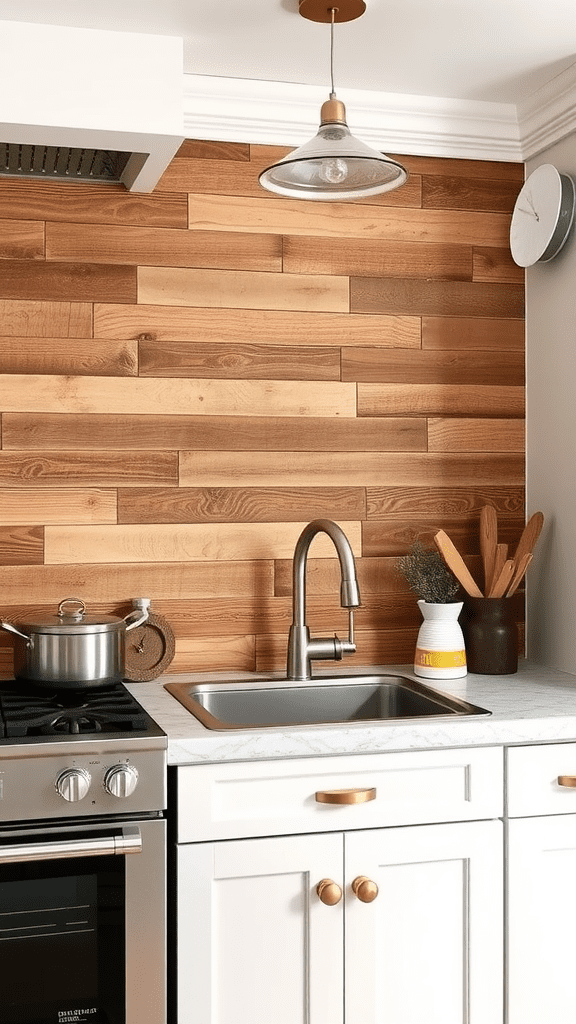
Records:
x=440, y=651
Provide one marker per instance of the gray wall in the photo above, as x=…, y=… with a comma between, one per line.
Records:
x=551, y=442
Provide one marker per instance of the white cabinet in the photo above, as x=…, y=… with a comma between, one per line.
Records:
x=256, y=943
x=542, y=885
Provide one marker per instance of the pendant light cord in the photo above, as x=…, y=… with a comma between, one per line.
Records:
x=333, y=14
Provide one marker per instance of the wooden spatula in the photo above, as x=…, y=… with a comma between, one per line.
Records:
x=488, y=543
x=529, y=537
x=502, y=582
x=519, y=573
x=456, y=563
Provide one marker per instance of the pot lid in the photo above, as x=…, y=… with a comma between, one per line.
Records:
x=71, y=617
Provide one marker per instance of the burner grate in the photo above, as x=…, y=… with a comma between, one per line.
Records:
x=55, y=713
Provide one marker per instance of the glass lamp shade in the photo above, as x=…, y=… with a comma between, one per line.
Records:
x=333, y=165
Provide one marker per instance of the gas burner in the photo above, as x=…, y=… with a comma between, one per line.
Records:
x=30, y=712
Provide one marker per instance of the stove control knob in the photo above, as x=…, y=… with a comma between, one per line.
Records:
x=121, y=780
x=73, y=784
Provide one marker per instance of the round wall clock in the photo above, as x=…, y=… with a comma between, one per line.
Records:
x=542, y=217
x=149, y=648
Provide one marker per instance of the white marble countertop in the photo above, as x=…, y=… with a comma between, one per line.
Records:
x=534, y=705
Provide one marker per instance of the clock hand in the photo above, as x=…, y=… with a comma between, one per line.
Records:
x=531, y=213
x=531, y=204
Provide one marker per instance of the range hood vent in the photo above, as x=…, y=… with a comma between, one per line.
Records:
x=113, y=112
x=63, y=163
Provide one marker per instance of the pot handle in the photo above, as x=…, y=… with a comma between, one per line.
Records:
x=12, y=629
x=140, y=613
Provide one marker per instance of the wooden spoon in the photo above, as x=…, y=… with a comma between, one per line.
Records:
x=488, y=543
x=456, y=563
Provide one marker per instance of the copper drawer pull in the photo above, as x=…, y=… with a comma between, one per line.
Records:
x=567, y=780
x=345, y=796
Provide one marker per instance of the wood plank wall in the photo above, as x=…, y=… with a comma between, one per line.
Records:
x=188, y=377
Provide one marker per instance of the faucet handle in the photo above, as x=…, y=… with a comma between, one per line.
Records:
x=342, y=647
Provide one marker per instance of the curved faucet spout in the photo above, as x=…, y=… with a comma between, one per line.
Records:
x=301, y=649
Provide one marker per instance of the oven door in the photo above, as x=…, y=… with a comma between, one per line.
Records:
x=82, y=924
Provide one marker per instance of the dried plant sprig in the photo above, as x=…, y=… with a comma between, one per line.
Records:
x=427, y=574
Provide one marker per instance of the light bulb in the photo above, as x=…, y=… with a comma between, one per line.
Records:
x=333, y=171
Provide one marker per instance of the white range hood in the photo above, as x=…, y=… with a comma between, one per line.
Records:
x=89, y=105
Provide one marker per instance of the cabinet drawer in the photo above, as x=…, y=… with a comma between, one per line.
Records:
x=533, y=774
x=232, y=800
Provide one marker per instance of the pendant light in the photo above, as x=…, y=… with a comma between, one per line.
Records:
x=333, y=165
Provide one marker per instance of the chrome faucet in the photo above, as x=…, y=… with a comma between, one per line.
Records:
x=301, y=649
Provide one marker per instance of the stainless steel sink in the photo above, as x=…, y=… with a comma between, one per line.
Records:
x=266, y=703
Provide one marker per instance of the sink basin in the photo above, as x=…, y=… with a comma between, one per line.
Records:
x=266, y=703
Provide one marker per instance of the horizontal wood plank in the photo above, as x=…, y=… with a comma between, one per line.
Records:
x=456, y=192
x=112, y=584
x=492, y=264
x=42, y=505
x=79, y=282
x=383, y=502
x=435, y=298
x=243, y=290
x=255, y=326
x=376, y=258
x=69, y=356
x=24, y=431
x=182, y=543
x=230, y=653
x=21, y=240
x=445, y=332
x=83, y=469
x=28, y=199
x=242, y=361
x=238, y=504
x=167, y=247
x=23, y=319
x=21, y=545
x=395, y=536
x=473, y=435
x=347, y=220
x=348, y=469
x=160, y=396
x=447, y=167
x=206, y=149
x=440, y=400
x=377, y=578
x=478, y=367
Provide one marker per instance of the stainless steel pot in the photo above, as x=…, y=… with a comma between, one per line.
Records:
x=72, y=650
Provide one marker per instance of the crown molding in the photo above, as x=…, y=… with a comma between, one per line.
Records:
x=548, y=115
x=276, y=113
x=284, y=114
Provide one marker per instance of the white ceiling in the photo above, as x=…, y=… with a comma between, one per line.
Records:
x=491, y=50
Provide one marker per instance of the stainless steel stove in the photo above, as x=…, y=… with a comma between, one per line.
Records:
x=82, y=857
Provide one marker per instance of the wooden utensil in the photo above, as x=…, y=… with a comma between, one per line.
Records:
x=501, y=556
x=529, y=536
x=501, y=584
x=488, y=543
x=456, y=563
x=519, y=573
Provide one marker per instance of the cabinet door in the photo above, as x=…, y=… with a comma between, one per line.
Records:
x=255, y=944
x=428, y=949
x=542, y=916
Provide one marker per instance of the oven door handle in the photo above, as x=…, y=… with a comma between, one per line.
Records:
x=130, y=841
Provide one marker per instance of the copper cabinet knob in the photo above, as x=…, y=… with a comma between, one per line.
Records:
x=365, y=889
x=567, y=780
x=329, y=892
